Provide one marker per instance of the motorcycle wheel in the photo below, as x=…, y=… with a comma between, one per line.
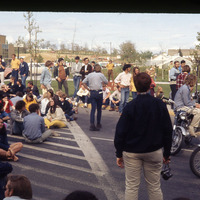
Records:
x=177, y=140
x=195, y=162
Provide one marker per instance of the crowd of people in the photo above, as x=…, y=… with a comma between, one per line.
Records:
x=32, y=115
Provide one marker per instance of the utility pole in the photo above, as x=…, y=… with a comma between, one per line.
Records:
x=73, y=38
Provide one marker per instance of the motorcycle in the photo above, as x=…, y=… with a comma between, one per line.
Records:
x=195, y=161
x=180, y=132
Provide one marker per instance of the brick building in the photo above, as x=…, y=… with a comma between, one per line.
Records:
x=6, y=50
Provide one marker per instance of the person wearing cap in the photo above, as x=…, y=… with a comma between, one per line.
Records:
x=124, y=81
x=23, y=71
x=2, y=69
x=61, y=74
x=15, y=67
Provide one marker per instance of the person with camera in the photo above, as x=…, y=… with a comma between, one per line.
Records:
x=143, y=129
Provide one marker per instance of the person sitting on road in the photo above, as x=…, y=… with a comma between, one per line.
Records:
x=106, y=95
x=18, y=187
x=17, y=118
x=29, y=100
x=55, y=116
x=183, y=102
x=34, y=126
x=20, y=87
x=80, y=195
x=115, y=98
x=3, y=115
x=67, y=108
x=5, y=90
x=83, y=95
x=44, y=102
x=13, y=148
x=18, y=97
x=12, y=86
x=34, y=89
x=7, y=104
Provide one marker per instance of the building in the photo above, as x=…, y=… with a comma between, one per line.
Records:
x=6, y=50
x=187, y=53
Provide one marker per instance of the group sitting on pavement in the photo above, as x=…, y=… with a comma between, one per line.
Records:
x=32, y=115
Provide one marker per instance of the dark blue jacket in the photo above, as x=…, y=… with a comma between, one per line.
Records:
x=23, y=68
x=144, y=126
x=4, y=140
x=1, y=69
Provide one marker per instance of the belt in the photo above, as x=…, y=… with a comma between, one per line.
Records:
x=96, y=90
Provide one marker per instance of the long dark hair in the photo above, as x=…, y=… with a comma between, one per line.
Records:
x=53, y=108
x=134, y=69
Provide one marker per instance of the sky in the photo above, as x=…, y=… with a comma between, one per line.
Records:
x=154, y=32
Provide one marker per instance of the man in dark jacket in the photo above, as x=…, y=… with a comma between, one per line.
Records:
x=142, y=131
x=61, y=73
x=86, y=68
x=23, y=71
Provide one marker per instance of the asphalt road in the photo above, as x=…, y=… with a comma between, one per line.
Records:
x=84, y=160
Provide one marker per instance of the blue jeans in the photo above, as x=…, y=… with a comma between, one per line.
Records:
x=124, y=98
x=23, y=80
x=15, y=74
x=84, y=99
x=112, y=105
x=76, y=80
x=96, y=98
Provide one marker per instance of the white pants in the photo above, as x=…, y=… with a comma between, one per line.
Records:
x=2, y=77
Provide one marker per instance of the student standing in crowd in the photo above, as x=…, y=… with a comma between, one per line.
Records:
x=86, y=68
x=181, y=66
x=136, y=71
x=2, y=69
x=75, y=70
x=46, y=76
x=143, y=129
x=23, y=71
x=181, y=77
x=93, y=82
x=61, y=74
x=110, y=66
x=34, y=126
x=15, y=67
x=124, y=81
x=174, y=72
x=153, y=85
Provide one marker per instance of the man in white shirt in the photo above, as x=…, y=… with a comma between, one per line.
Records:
x=76, y=67
x=115, y=98
x=123, y=80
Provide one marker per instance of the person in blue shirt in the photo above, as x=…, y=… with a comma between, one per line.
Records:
x=23, y=71
x=3, y=115
x=181, y=66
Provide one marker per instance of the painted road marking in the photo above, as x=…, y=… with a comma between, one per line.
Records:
x=104, y=139
x=96, y=163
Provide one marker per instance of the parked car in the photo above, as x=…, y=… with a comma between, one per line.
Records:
x=36, y=67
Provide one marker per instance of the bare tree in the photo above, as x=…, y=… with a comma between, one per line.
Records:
x=73, y=38
x=30, y=28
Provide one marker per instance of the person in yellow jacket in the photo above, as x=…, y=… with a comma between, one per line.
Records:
x=110, y=67
x=136, y=71
x=15, y=66
x=29, y=100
